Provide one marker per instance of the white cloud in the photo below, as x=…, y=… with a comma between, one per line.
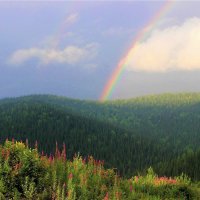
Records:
x=69, y=55
x=71, y=19
x=170, y=49
x=63, y=31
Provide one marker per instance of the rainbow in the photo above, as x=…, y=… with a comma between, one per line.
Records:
x=62, y=28
x=116, y=74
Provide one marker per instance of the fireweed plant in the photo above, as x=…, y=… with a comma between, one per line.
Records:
x=27, y=174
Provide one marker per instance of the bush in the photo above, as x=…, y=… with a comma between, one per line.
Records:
x=21, y=169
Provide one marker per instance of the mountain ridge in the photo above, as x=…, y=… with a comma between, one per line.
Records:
x=152, y=133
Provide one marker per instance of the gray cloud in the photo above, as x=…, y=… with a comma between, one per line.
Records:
x=69, y=55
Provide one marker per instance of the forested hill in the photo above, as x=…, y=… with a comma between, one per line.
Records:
x=129, y=135
x=165, y=116
x=47, y=124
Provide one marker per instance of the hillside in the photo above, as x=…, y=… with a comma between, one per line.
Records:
x=47, y=124
x=26, y=174
x=130, y=135
x=166, y=116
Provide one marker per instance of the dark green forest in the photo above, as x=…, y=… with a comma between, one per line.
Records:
x=161, y=131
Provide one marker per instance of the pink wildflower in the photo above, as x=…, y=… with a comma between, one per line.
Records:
x=70, y=176
x=106, y=197
x=131, y=188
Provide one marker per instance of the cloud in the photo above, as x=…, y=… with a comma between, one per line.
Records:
x=169, y=49
x=71, y=19
x=69, y=55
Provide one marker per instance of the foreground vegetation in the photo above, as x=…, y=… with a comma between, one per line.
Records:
x=26, y=174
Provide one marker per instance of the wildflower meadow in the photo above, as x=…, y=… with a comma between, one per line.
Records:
x=27, y=174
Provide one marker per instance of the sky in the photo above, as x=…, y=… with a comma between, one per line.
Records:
x=72, y=48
